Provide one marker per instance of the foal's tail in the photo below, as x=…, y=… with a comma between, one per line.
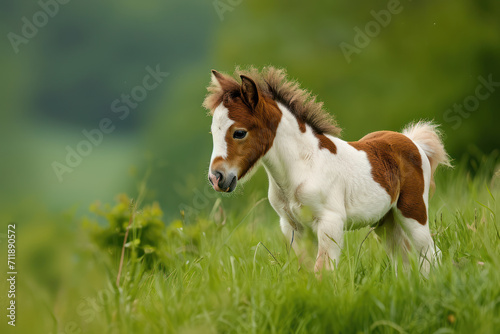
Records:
x=428, y=137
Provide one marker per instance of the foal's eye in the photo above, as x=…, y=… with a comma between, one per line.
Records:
x=239, y=134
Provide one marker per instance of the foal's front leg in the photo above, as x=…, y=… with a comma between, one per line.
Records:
x=330, y=229
x=292, y=234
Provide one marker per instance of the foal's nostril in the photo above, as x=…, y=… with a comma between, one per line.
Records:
x=218, y=180
x=219, y=176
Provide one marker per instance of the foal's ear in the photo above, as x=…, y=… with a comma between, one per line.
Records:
x=223, y=81
x=218, y=79
x=249, y=91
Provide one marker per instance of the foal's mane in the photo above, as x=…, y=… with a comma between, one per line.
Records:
x=274, y=83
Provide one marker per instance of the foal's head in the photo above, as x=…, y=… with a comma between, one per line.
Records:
x=244, y=125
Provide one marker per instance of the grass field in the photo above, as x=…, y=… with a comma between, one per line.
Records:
x=230, y=272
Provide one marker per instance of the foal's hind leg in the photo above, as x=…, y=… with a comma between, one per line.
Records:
x=412, y=214
x=396, y=241
x=403, y=235
x=421, y=241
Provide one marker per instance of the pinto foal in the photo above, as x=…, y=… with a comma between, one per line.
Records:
x=381, y=180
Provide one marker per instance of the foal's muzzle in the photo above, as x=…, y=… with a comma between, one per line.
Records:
x=222, y=182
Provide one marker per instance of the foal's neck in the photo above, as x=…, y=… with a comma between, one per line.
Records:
x=291, y=149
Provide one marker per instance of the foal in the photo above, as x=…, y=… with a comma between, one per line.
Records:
x=381, y=180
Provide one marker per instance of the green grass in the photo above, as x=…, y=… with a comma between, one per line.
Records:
x=238, y=277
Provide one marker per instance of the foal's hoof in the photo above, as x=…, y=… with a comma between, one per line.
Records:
x=321, y=265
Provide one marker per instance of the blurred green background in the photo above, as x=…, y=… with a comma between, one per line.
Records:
x=64, y=79
x=426, y=57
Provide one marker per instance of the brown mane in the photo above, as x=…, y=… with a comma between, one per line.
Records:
x=273, y=82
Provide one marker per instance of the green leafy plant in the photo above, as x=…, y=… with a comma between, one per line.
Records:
x=146, y=230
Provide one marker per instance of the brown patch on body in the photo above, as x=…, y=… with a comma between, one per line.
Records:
x=302, y=125
x=325, y=142
x=397, y=166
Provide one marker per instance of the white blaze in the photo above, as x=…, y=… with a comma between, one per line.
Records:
x=220, y=125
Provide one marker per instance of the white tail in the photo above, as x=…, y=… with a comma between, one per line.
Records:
x=428, y=136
